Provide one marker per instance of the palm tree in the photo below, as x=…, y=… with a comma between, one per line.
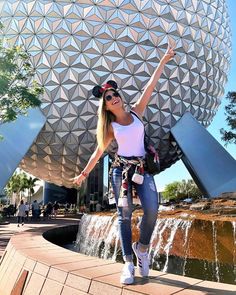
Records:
x=18, y=183
x=15, y=185
x=188, y=188
x=31, y=182
x=23, y=183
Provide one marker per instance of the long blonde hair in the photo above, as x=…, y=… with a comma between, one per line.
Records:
x=105, y=117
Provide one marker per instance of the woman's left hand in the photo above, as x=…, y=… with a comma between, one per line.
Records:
x=169, y=54
x=78, y=179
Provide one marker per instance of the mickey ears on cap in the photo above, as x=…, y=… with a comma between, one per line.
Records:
x=98, y=90
x=112, y=83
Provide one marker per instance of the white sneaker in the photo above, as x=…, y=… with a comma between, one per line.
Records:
x=142, y=260
x=127, y=275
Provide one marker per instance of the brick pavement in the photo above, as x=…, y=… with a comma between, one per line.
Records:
x=8, y=230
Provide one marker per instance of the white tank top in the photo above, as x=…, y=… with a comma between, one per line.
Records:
x=130, y=138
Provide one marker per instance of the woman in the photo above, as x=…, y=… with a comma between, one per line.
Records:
x=114, y=122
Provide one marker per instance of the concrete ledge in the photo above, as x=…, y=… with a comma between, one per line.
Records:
x=36, y=266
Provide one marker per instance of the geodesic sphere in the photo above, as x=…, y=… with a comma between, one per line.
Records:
x=77, y=44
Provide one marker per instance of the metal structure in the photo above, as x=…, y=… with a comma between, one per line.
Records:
x=77, y=44
x=17, y=138
x=210, y=165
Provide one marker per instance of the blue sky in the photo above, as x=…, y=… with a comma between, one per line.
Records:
x=178, y=170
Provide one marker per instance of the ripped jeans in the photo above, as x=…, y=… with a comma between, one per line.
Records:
x=149, y=200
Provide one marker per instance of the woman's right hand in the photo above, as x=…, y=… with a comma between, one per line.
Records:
x=78, y=179
x=170, y=53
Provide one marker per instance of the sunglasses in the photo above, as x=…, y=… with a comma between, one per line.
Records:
x=109, y=97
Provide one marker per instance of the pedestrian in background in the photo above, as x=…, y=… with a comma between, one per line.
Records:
x=21, y=213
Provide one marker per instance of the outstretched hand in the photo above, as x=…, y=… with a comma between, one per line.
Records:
x=78, y=179
x=170, y=53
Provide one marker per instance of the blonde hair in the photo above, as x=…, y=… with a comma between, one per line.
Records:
x=105, y=118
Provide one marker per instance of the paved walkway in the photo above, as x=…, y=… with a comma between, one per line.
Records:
x=6, y=231
x=77, y=274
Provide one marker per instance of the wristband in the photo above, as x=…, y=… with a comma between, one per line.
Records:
x=85, y=174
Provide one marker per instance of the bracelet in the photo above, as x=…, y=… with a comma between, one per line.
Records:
x=85, y=174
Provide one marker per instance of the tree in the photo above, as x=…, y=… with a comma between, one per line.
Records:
x=31, y=182
x=194, y=191
x=178, y=190
x=18, y=91
x=188, y=189
x=230, y=112
x=18, y=183
x=171, y=191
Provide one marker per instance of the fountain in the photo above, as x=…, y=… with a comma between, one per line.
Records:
x=186, y=242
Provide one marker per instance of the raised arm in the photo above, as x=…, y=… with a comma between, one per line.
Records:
x=91, y=163
x=140, y=105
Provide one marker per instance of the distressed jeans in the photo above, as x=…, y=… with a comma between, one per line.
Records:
x=149, y=200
